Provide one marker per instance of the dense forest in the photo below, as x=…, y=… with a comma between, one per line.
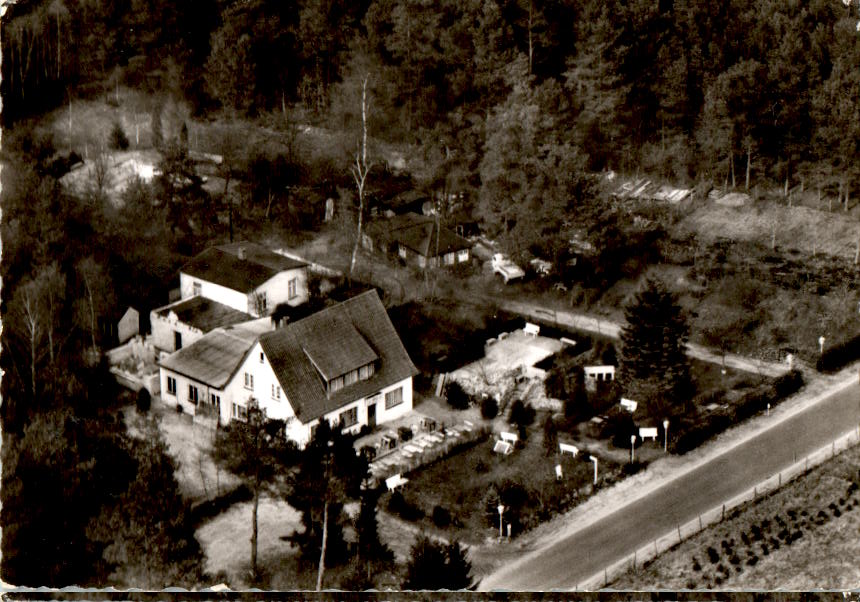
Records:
x=684, y=87
x=519, y=102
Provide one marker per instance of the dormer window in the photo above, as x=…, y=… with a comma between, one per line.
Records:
x=197, y=288
x=351, y=377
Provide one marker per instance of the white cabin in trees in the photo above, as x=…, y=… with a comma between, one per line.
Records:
x=246, y=277
x=345, y=364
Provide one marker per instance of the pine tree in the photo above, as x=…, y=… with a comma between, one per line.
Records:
x=372, y=553
x=435, y=566
x=253, y=450
x=329, y=473
x=654, y=366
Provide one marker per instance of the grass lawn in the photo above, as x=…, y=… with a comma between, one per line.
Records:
x=801, y=537
x=200, y=479
x=461, y=483
x=226, y=540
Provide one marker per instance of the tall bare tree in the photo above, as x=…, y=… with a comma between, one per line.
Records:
x=359, y=173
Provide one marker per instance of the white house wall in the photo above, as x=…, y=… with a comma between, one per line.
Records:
x=277, y=290
x=163, y=329
x=264, y=378
x=238, y=300
x=301, y=433
x=181, y=396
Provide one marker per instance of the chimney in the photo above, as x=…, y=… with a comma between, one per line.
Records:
x=242, y=253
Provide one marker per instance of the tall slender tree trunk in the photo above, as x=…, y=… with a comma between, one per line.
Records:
x=531, y=36
x=92, y=311
x=359, y=172
x=734, y=181
x=254, y=528
x=321, y=568
x=749, y=163
x=59, y=46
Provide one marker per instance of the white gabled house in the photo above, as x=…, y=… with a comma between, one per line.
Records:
x=345, y=364
x=245, y=276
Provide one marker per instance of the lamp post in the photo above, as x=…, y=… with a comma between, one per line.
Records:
x=632, y=448
x=666, y=435
x=501, y=510
x=594, y=459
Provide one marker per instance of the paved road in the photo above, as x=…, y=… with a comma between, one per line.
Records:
x=582, y=554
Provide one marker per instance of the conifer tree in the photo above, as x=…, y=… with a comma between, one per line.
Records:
x=654, y=367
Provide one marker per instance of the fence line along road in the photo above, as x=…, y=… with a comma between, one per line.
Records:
x=718, y=513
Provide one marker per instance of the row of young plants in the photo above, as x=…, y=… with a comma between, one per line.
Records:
x=765, y=536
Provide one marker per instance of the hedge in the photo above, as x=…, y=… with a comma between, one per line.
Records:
x=839, y=355
x=694, y=433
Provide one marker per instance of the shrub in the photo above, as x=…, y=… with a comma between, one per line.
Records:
x=481, y=467
x=398, y=505
x=489, y=407
x=441, y=517
x=788, y=383
x=696, y=566
x=521, y=416
x=118, y=139
x=456, y=396
x=713, y=555
x=752, y=560
x=745, y=538
x=143, y=401
x=764, y=549
x=632, y=468
x=735, y=559
x=839, y=355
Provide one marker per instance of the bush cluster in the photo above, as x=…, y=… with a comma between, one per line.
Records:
x=399, y=505
x=696, y=430
x=839, y=355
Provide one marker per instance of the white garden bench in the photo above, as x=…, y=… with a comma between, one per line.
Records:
x=393, y=482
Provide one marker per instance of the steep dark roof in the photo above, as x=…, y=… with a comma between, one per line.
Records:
x=349, y=353
x=418, y=233
x=222, y=265
x=423, y=240
x=369, y=330
x=204, y=314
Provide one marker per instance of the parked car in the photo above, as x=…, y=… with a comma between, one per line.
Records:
x=506, y=268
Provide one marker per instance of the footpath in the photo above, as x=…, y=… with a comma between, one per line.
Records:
x=602, y=326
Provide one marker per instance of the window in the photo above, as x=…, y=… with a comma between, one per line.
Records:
x=216, y=401
x=262, y=358
x=177, y=340
x=394, y=398
x=192, y=394
x=449, y=258
x=351, y=377
x=249, y=380
x=262, y=302
x=240, y=411
x=336, y=384
x=197, y=289
x=171, y=385
x=402, y=252
x=349, y=417
x=276, y=392
x=365, y=372
x=292, y=288
x=463, y=256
